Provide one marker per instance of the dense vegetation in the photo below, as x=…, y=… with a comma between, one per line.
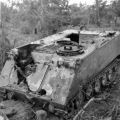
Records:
x=29, y=20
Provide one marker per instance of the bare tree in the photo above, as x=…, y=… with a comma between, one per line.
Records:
x=97, y=13
x=4, y=42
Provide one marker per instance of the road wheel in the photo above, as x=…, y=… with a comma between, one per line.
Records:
x=97, y=86
x=104, y=80
x=80, y=99
x=89, y=91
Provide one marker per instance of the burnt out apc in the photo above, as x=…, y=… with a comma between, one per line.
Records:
x=59, y=73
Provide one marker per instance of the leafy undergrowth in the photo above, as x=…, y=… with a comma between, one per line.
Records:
x=106, y=109
x=17, y=39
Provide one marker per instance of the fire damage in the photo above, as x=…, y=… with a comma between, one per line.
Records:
x=58, y=74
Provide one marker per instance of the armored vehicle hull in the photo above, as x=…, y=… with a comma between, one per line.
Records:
x=61, y=72
x=96, y=61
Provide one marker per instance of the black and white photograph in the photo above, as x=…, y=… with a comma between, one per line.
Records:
x=59, y=59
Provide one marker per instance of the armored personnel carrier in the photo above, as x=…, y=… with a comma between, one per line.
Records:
x=59, y=73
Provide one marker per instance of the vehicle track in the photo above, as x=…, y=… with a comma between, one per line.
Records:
x=99, y=86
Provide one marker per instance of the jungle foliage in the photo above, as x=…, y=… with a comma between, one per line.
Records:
x=28, y=20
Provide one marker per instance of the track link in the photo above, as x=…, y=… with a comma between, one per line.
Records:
x=95, y=87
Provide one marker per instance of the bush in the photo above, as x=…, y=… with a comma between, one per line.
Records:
x=25, y=30
x=4, y=48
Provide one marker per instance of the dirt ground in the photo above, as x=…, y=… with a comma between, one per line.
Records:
x=105, y=107
x=108, y=108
